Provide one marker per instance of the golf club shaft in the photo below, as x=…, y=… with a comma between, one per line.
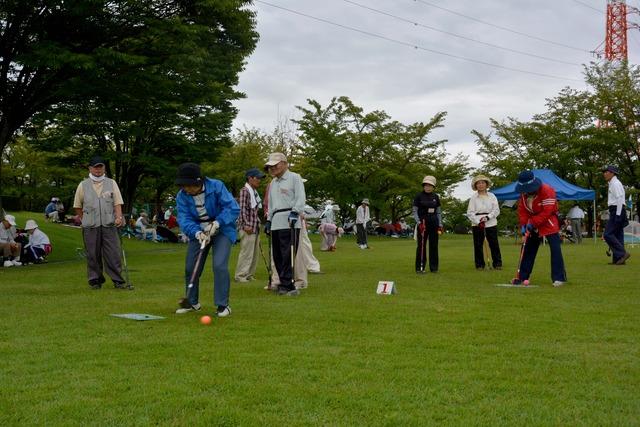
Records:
x=524, y=243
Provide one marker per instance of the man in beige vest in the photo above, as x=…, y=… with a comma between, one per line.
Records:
x=98, y=203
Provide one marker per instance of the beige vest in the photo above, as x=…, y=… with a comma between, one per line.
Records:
x=97, y=210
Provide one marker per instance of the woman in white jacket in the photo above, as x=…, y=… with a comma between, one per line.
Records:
x=482, y=212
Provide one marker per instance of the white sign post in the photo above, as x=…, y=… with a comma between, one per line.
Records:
x=386, y=288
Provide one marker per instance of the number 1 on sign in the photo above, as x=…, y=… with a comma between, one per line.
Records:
x=386, y=288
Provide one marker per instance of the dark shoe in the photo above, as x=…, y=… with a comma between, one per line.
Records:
x=96, y=283
x=122, y=285
x=421, y=272
x=289, y=292
x=622, y=260
x=497, y=267
x=480, y=268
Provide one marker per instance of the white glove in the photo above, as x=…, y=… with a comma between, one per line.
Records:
x=213, y=228
x=202, y=237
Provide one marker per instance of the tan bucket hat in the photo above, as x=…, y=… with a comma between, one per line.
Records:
x=429, y=180
x=480, y=178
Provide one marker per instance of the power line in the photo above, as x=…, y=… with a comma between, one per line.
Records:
x=501, y=27
x=417, y=24
x=589, y=6
x=400, y=42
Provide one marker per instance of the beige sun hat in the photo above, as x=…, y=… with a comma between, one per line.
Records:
x=429, y=180
x=31, y=225
x=480, y=178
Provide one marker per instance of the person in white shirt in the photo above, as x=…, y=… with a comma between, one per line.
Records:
x=145, y=227
x=9, y=248
x=576, y=215
x=614, y=230
x=482, y=211
x=39, y=244
x=362, y=218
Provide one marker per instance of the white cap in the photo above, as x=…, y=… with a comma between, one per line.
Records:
x=10, y=219
x=31, y=224
x=275, y=158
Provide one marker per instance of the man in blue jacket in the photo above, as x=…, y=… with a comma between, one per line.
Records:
x=207, y=214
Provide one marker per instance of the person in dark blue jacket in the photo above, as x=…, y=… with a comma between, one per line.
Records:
x=207, y=214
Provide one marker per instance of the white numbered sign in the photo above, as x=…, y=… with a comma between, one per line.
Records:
x=386, y=288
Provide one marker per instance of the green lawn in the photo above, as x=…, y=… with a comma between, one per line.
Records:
x=450, y=348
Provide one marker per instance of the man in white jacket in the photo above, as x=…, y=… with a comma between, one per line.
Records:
x=482, y=211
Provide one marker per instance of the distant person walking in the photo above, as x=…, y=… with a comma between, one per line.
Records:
x=482, y=211
x=427, y=213
x=576, y=216
x=538, y=215
x=98, y=204
x=249, y=226
x=614, y=230
x=362, y=218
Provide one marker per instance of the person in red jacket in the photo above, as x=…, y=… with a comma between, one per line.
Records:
x=538, y=215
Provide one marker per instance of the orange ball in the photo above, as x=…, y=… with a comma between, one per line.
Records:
x=205, y=320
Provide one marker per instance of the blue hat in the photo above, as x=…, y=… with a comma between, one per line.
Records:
x=611, y=168
x=527, y=182
x=254, y=172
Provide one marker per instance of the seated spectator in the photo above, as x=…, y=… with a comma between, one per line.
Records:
x=60, y=209
x=39, y=245
x=145, y=227
x=51, y=211
x=9, y=248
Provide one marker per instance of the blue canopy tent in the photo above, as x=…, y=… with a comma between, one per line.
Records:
x=564, y=189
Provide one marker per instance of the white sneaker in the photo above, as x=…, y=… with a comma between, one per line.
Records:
x=225, y=312
x=558, y=283
x=16, y=263
x=8, y=264
x=182, y=310
x=241, y=280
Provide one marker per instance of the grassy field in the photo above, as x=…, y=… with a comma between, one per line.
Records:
x=450, y=348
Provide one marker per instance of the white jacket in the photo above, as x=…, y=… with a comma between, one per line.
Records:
x=485, y=205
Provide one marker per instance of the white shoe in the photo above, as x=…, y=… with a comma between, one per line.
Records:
x=558, y=283
x=225, y=312
x=182, y=310
x=8, y=264
x=241, y=280
x=16, y=263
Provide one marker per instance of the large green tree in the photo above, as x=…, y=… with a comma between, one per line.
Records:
x=348, y=154
x=156, y=92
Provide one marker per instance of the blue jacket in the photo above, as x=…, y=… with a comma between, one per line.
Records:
x=220, y=206
x=51, y=207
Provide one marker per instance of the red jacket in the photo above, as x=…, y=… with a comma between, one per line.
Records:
x=543, y=213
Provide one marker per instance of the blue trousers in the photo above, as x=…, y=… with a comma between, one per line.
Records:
x=531, y=250
x=614, y=233
x=221, y=279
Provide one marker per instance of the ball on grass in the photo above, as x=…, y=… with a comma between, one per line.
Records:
x=205, y=320
x=525, y=282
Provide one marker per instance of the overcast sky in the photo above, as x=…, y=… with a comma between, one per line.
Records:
x=393, y=67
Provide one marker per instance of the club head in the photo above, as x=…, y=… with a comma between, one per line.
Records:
x=184, y=303
x=608, y=252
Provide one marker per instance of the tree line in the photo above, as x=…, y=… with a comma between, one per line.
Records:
x=151, y=84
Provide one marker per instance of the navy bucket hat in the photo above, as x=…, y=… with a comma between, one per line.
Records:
x=527, y=182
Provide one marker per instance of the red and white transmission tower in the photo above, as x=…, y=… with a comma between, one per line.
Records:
x=615, y=44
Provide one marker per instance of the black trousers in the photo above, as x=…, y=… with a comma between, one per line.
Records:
x=281, y=241
x=430, y=234
x=362, y=234
x=479, y=234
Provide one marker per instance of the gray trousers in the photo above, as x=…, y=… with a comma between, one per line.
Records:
x=576, y=229
x=102, y=244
